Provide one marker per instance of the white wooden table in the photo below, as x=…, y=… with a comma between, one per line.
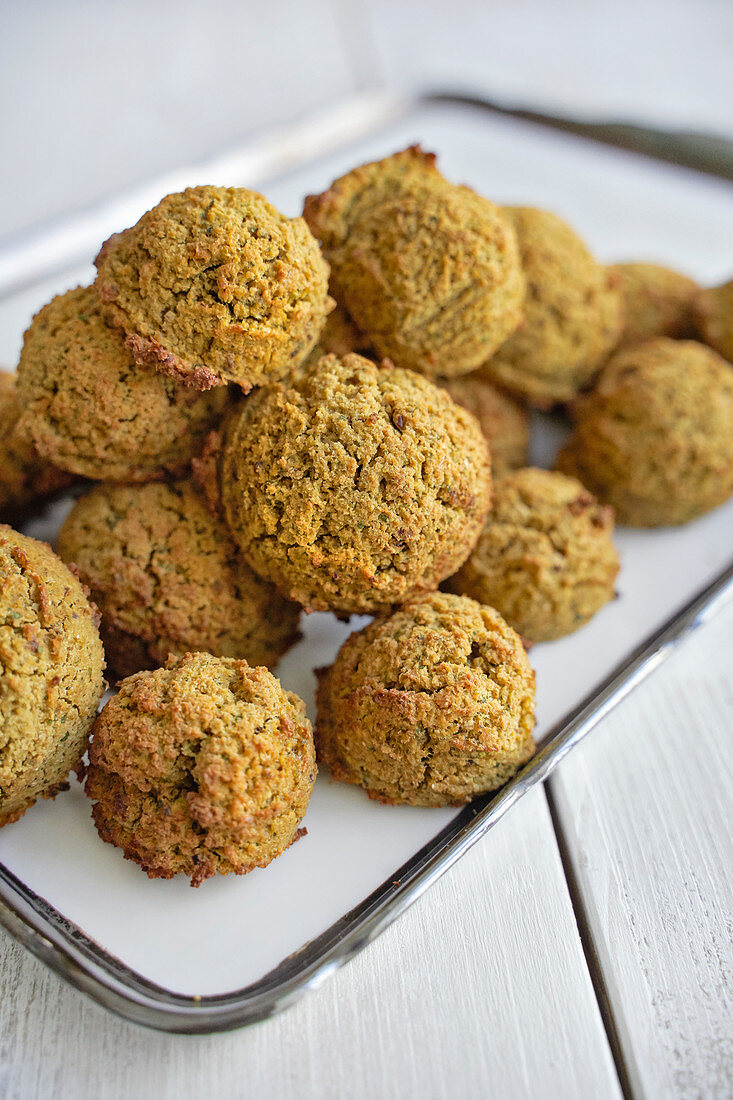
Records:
x=583, y=949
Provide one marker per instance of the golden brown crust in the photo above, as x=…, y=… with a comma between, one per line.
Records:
x=429, y=271
x=572, y=314
x=168, y=578
x=215, y=285
x=203, y=767
x=91, y=409
x=655, y=437
x=431, y=705
x=149, y=353
x=52, y=672
x=713, y=311
x=502, y=419
x=355, y=487
x=545, y=559
x=656, y=302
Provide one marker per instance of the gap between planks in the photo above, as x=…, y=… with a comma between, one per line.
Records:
x=592, y=960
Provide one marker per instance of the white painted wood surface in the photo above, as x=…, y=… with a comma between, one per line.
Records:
x=481, y=989
x=646, y=811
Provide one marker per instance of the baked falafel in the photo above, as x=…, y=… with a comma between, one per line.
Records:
x=52, y=672
x=356, y=486
x=714, y=318
x=168, y=578
x=215, y=285
x=25, y=478
x=203, y=767
x=656, y=302
x=503, y=420
x=90, y=409
x=430, y=705
x=429, y=271
x=339, y=336
x=572, y=313
x=545, y=558
x=654, y=439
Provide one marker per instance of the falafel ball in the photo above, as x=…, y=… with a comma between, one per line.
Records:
x=355, y=487
x=25, y=478
x=714, y=318
x=90, y=409
x=168, y=578
x=200, y=768
x=545, y=559
x=503, y=420
x=215, y=285
x=52, y=672
x=431, y=705
x=656, y=302
x=572, y=313
x=655, y=437
x=429, y=271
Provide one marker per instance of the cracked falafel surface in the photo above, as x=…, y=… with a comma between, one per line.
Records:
x=356, y=486
x=654, y=439
x=52, y=672
x=428, y=270
x=203, y=767
x=92, y=410
x=431, y=705
x=215, y=285
x=545, y=559
x=168, y=578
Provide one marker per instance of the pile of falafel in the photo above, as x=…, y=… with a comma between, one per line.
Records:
x=328, y=413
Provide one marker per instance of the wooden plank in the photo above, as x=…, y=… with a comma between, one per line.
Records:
x=480, y=989
x=645, y=809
